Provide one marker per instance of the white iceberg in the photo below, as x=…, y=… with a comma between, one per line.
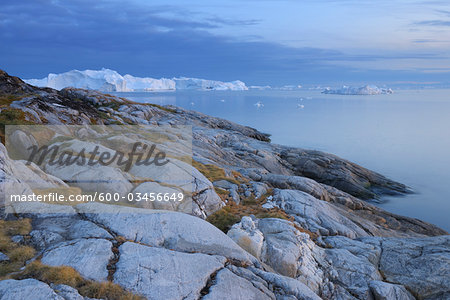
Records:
x=364, y=90
x=107, y=80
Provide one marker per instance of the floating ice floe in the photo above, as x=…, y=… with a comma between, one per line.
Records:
x=364, y=90
x=259, y=104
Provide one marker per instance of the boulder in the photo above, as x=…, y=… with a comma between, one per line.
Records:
x=246, y=235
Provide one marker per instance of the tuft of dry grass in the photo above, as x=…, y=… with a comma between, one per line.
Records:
x=6, y=100
x=57, y=275
x=224, y=218
x=69, y=276
x=215, y=173
x=107, y=290
x=18, y=254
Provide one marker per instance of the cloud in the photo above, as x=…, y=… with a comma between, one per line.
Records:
x=230, y=22
x=433, y=23
x=42, y=36
x=426, y=41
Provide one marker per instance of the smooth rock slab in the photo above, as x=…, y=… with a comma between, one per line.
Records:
x=89, y=257
x=158, y=273
x=171, y=230
x=26, y=289
x=230, y=286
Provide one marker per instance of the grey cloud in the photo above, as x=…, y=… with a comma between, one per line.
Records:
x=433, y=23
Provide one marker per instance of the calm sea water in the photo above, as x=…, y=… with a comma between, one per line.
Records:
x=405, y=136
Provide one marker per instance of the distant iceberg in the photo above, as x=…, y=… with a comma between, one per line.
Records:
x=364, y=90
x=107, y=80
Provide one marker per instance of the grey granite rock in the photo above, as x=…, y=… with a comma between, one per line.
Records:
x=96, y=178
x=300, y=183
x=230, y=286
x=316, y=215
x=388, y=291
x=11, y=289
x=247, y=236
x=158, y=273
x=67, y=292
x=421, y=265
x=89, y=257
x=3, y=257
x=17, y=239
x=286, y=286
x=183, y=176
x=152, y=187
x=43, y=239
x=85, y=229
x=352, y=272
x=340, y=173
x=230, y=187
x=171, y=230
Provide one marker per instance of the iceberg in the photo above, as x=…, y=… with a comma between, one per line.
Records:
x=107, y=80
x=364, y=90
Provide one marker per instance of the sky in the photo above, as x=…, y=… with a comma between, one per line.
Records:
x=262, y=42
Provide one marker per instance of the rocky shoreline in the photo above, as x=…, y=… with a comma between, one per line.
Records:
x=267, y=222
